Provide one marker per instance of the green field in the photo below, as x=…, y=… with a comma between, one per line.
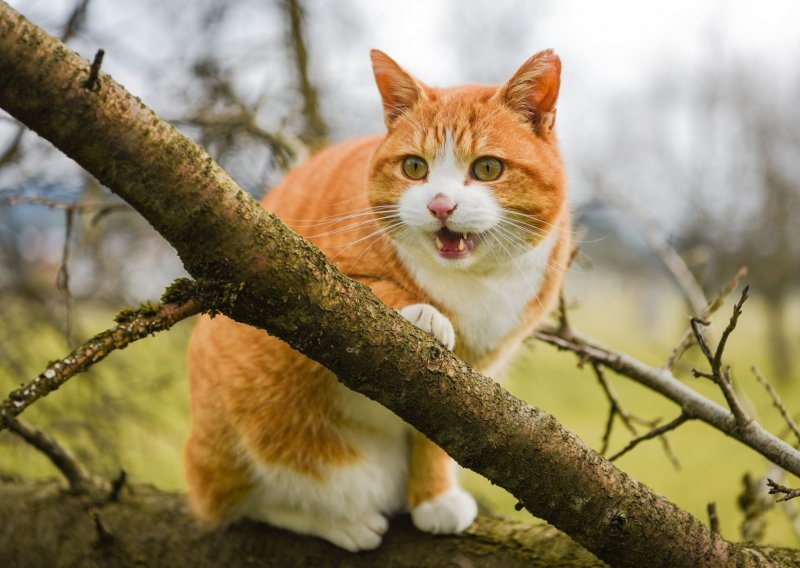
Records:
x=131, y=411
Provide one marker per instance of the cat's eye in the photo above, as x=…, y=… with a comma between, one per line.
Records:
x=487, y=168
x=415, y=167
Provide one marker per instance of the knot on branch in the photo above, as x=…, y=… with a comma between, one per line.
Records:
x=617, y=522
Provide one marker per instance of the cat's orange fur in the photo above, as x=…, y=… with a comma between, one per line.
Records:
x=274, y=435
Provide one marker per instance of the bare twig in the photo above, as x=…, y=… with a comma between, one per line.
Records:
x=134, y=326
x=654, y=433
x=104, y=536
x=75, y=21
x=713, y=517
x=776, y=401
x=92, y=82
x=722, y=377
x=117, y=485
x=316, y=130
x=776, y=488
x=78, y=207
x=78, y=477
x=670, y=257
x=690, y=401
x=615, y=407
x=62, y=277
x=688, y=337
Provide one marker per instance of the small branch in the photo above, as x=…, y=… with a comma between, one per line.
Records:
x=776, y=401
x=78, y=207
x=688, y=337
x=104, y=536
x=134, y=325
x=776, y=488
x=78, y=477
x=117, y=485
x=737, y=311
x=316, y=130
x=75, y=21
x=713, y=517
x=92, y=83
x=670, y=257
x=62, y=277
x=722, y=377
x=654, y=433
x=615, y=407
x=690, y=401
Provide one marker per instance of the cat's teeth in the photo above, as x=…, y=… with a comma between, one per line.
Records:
x=460, y=244
x=439, y=244
x=465, y=235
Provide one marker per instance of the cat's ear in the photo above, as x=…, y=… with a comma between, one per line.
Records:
x=533, y=90
x=399, y=90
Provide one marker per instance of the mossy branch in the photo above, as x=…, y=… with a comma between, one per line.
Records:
x=132, y=325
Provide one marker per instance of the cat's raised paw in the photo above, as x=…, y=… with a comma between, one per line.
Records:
x=449, y=513
x=431, y=320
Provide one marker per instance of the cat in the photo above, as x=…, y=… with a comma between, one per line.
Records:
x=456, y=218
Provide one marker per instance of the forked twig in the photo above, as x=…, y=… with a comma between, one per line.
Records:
x=688, y=338
x=654, y=433
x=720, y=376
x=777, y=488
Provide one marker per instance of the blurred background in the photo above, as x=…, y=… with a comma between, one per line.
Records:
x=679, y=123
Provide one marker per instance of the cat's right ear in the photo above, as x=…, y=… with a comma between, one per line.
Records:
x=399, y=90
x=533, y=90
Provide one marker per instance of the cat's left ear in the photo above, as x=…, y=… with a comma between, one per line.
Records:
x=399, y=90
x=533, y=90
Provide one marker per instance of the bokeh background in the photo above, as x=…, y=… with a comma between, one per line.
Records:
x=679, y=122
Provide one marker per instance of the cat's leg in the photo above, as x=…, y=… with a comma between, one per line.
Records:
x=437, y=503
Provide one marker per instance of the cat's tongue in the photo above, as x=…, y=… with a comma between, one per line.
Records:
x=452, y=244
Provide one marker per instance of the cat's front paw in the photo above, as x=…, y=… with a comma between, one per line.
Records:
x=431, y=320
x=449, y=513
x=363, y=534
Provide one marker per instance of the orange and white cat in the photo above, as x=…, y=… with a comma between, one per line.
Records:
x=457, y=219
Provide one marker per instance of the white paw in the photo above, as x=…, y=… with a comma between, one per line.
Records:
x=363, y=534
x=431, y=320
x=449, y=513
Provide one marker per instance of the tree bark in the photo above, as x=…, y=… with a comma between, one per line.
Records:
x=44, y=525
x=290, y=290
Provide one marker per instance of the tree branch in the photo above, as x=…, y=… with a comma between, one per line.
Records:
x=777, y=402
x=290, y=290
x=691, y=402
x=132, y=326
x=777, y=488
x=78, y=476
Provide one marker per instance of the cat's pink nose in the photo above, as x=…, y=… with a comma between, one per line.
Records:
x=441, y=206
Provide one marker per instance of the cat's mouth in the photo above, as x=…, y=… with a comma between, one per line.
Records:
x=451, y=244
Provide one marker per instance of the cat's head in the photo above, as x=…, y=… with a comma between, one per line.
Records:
x=468, y=177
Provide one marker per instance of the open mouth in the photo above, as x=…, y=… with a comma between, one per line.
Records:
x=454, y=245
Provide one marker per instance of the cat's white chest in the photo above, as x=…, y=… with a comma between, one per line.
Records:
x=484, y=307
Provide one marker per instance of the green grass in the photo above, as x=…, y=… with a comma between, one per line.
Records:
x=132, y=410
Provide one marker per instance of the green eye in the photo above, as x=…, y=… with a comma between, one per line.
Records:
x=487, y=168
x=415, y=167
